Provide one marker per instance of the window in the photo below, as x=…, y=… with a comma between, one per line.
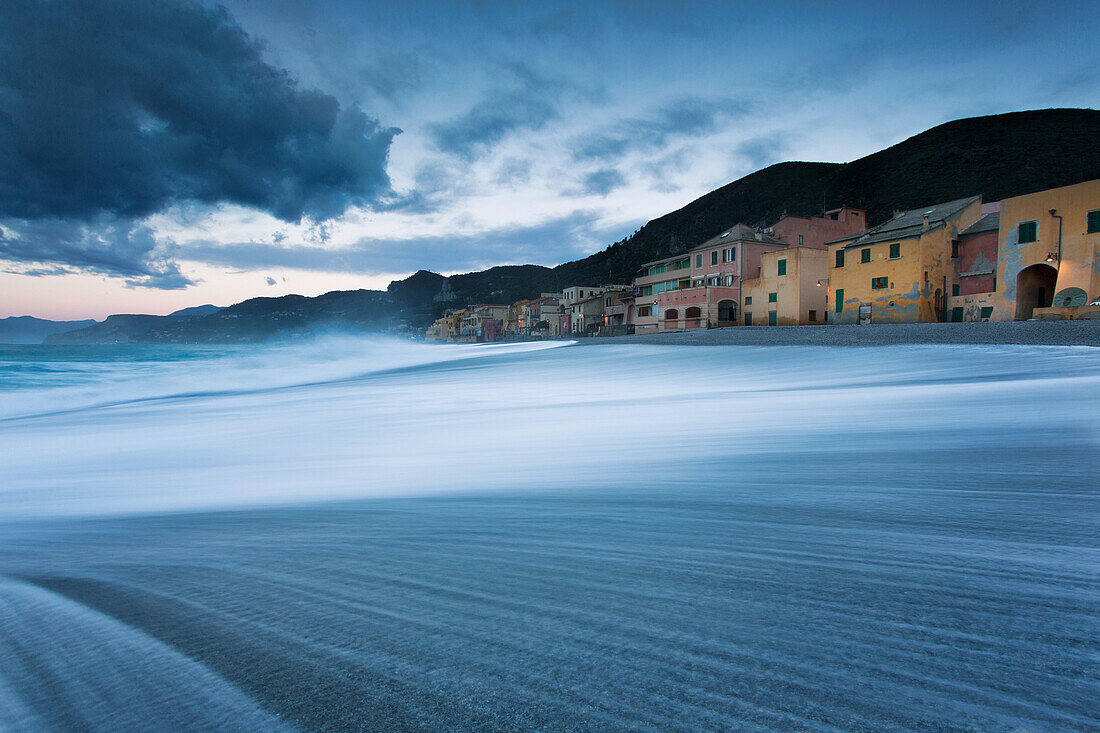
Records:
x=878, y=283
x=987, y=312
x=712, y=280
x=714, y=257
x=748, y=300
x=800, y=239
x=728, y=281
x=698, y=260
x=608, y=302
x=781, y=267
x=839, y=300
x=955, y=250
x=1029, y=232
x=895, y=250
x=729, y=254
x=840, y=258
x=1093, y=222
x=771, y=318
x=773, y=297
x=647, y=290
x=813, y=316
x=955, y=289
x=748, y=319
x=865, y=255
x=672, y=314
x=645, y=310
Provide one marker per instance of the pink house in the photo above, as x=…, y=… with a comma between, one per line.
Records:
x=815, y=231
x=702, y=288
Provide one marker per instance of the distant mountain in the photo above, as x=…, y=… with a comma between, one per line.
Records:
x=30, y=330
x=261, y=319
x=127, y=327
x=195, y=310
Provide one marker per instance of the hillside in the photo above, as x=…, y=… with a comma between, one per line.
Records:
x=260, y=319
x=125, y=327
x=30, y=330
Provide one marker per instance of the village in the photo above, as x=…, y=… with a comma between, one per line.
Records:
x=1028, y=257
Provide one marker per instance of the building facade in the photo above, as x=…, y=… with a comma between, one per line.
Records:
x=790, y=290
x=900, y=271
x=1048, y=246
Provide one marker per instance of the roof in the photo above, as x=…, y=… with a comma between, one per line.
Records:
x=988, y=223
x=739, y=233
x=910, y=223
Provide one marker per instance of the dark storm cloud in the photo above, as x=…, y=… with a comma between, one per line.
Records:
x=124, y=107
x=684, y=118
x=548, y=242
x=115, y=248
x=501, y=113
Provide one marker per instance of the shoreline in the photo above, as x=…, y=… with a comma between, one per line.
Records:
x=1030, y=333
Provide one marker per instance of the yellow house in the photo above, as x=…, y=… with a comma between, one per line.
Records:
x=899, y=271
x=790, y=290
x=1047, y=253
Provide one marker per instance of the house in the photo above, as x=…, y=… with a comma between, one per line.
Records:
x=448, y=327
x=483, y=323
x=586, y=315
x=618, y=312
x=702, y=288
x=1047, y=259
x=975, y=254
x=816, y=231
x=790, y=290
x=899, y=271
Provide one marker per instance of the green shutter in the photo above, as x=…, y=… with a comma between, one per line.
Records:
x=771, y=318
x=865, y=255
x=956, y=315
x=1093, y=222
x=773, y=297
x=839, y=300
x=955, y=289
x=1028, y=232
x=782, y=267
x=840, y=258
x=895, y=250
x=748, y=319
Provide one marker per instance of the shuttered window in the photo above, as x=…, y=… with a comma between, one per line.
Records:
x=1093, y=222
x=1029, y=231
x=782, y=265
x=865, y=255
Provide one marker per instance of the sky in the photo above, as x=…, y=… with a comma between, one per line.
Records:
x=158, y=155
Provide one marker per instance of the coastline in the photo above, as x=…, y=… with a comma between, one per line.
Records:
x=1032, y=333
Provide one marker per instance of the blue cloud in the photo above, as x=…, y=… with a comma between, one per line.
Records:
x=690, y=117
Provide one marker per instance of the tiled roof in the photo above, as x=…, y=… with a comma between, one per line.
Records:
x=988, y=223
x=910, y=223
x=739, y=233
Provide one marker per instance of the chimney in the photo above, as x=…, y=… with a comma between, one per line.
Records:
x=925, y=218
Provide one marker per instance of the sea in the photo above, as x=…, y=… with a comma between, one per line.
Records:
x=346, y=533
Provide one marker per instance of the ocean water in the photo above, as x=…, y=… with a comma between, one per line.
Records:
x=364, y=534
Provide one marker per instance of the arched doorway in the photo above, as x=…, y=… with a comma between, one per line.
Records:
x=671, y=314
x=727, y=311
x=1034, y=289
